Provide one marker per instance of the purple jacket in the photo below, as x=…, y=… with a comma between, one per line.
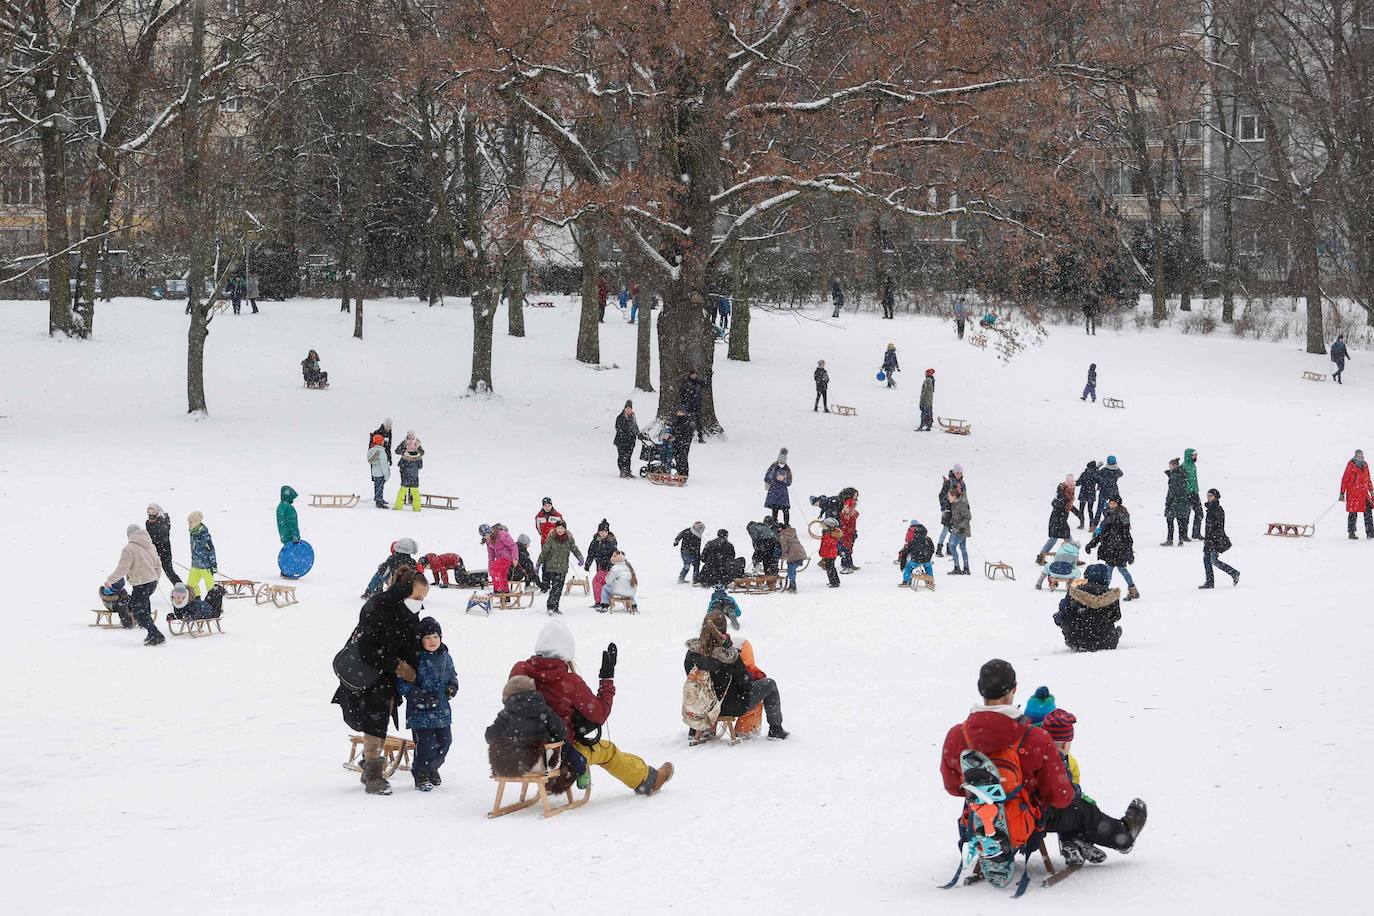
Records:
x=502, y=547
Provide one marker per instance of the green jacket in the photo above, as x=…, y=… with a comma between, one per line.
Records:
x=287, y=526
x=553, y=556
x=1190, y=468
x=928, y=393
x=1176, y=503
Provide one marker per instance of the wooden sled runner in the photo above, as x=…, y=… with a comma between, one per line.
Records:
x=107, y=619
x=1052, y=875
x=955, y=426
x=1314, y=376
x=727, y=727
x=991, y=569
x=979, y=340
x=278, y=595
x=1115, y=403
x=582, y=582
x=517, y=597
x=844, y=410
x=757, y=585
x=396, y=751
x=624, y=602
x=1290, y=530
x=334, y=500
x=667, y=480
x=542, y=304
x=435, y=501
x=539, y=780
x=195, y=627
x=920, y=581
x=240, y=588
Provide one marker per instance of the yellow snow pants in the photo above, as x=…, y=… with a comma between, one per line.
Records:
x=627, y=768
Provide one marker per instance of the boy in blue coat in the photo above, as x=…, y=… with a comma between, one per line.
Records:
x=721, y=601
x=428, y=715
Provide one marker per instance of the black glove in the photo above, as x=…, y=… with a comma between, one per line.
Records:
x=608, y=662
x=452, y=687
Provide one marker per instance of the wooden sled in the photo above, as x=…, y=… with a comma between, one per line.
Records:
x=278, y=595
x=728, y=728
x=240, y=588
x=991, y=569
x=757, y=585
x=667, y=480
x=1115, y=403
x=979, y=340
x=1289, y=530
x=624, y=602
x=582, y=582
x=955, y=426
x=920, y=581
x=518, y=597
x=435, y=501
x=396, y=751
x=539, y=779
x=542, y=304
x=317, y=386
x=107, y=619
x=195, y=628
x=334, y=500
x=844, y=410
x=1314, y=376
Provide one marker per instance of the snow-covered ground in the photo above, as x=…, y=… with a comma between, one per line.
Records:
x=205, y=776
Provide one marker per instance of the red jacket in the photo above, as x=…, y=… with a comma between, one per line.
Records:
x=442, y=562
x=1042, y=771
x=830, y=546
x=545, y=522
x=1356, y=487
x=849, y=522
x=564, y=691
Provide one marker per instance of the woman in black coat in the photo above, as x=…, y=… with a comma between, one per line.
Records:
x=626, y=432
x=718, y=561
x=738, y=693
x=1117, y=545
x=1215, y=542
x=159, y=527
x=388, y=638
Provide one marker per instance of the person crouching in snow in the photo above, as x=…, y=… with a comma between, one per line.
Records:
x=501, y=554
x=379, y=462
x=721, y=602
x=428, y=715
x=516, y=739
x=569, y=696
x=766, y=547
x=409, y=464
x=439, y=565
x=712, y=652
x=402, y=554
x=917, y=553
x=830, y=549
x=1088, y=614
x=523, y=570
x=621, y=582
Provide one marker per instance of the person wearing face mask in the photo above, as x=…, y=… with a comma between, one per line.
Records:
x=387, y=641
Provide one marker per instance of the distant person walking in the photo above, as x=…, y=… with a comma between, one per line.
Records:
x=927, y=402
x=252, y=288
x=889, y=296
x=836, y=296
x=1339, y=354
x=1215, y=542
x=1090, y=307
x=960, y=316
x=1357, y=493
x=822, y=385
x=1090, y=389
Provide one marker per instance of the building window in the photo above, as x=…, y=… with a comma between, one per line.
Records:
x=1247, y=183
x=232, y=101
x=1248, y=243
x=236, y=146
x=233, y=7
x=23, y=185
x=1192, y=131
x=1250, y=128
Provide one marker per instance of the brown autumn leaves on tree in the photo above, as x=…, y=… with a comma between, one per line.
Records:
x=739, y=113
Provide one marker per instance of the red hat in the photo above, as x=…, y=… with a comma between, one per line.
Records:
x=1059, y=724
x=930, y=372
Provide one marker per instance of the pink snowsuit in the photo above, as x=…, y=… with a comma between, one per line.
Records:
x=501, y=554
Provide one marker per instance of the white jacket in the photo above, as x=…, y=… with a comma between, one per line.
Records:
x=376, y=458
x=618, y=581
x=138, y=561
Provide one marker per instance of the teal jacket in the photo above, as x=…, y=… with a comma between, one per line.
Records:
x=287, y=527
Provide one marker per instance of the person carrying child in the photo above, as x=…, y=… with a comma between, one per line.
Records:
x=428, y=715
x=409, y=464
x=584, y=712
x=516, y=739
x=379, y=462
x=688, y=542
x=917, y=553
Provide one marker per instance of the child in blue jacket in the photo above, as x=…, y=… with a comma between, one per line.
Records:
x=427, y=711
x=721, y=601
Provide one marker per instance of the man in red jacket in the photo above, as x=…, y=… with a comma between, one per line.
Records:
x=1356, y=491
x=995, y=725
x=571, y=699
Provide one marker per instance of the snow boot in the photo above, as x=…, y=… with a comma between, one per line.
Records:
x=1069, y=851
x=1235, y=578
x=1207, y=585
x=1132, y=594
x=435, y=780
x=655, y=780
x=1353, y=537
x=374, y=778
x=1134, y=819
x=156, y=639
x=940, y=550
x=776, y=733
x=1168, y=543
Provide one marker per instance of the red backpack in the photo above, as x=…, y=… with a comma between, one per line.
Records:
x=999, y=820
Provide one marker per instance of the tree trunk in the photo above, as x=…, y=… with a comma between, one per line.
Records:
x=644, y=342
x=1228, y=236
x=1310, y=272
x=515, y=297
x=1185, y=273
x=61, y=318
x=358, y=313
x=739, y=312
x=515, y=261
x=483, y=318
x=193, y=197
x=588, y=325
x=686, y=341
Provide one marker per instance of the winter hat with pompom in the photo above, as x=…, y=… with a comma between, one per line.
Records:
x=1040, y=705
x=407, y=546
x=782, y=457
x=1059, y=724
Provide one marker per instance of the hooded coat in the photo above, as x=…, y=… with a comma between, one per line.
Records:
x=1088, y=615
x=688, y=543
x=501, y=546
x=1214, y=530
x=778, y=477
x=626, y=429
x=1087, y=482
x=961, y=517
x=388, y=633
x=385, y=433
x=515, y=741
x=1059, y=517
x=410, y=469
x=138, y=561
x=792, y=549
x=993, y=729
x=1355, y=485
x=1190, y=469
x=288, y=528
x=1176, y=503
x=918, y=547
x=159, y=530
x=620, y=580
x=1117, y=545
x=427, y=700
x=564, y=691
x=1109, y=481
x=379, y=461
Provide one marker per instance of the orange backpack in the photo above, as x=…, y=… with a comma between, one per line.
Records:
x=999, y=819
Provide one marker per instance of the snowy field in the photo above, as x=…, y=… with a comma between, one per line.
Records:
x=205, y=776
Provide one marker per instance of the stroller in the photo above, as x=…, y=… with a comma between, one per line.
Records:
x=651, y=453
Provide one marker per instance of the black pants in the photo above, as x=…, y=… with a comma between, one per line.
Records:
x=696, y=420
x=1368, y=522
x=765, y=691
x=167, y=567
x=1196, y=504
x=142, y=609
x=1089, y=324
x=828, y=565
x=622, y=457
x=254, y=304
x=822, y=398
x=680, y=456
x=887, y=309
x=431, y=748
x=1210, y=558
x=786, y=515
x=1182, y=527
x=554, y=582
x=1083, y=821
x=1085, y=508
x=959, y=326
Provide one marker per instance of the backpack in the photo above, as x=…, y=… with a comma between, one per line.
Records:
x=999, y=820
x=700, y=705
